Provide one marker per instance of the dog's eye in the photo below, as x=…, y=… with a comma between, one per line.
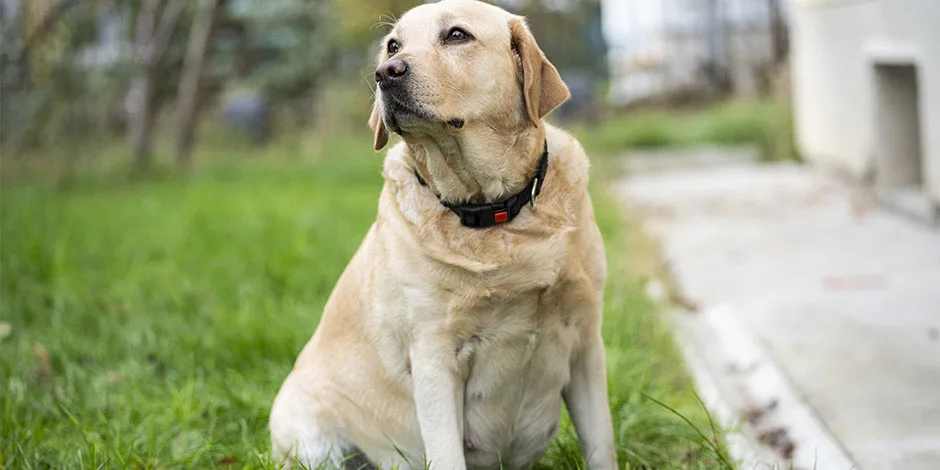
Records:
x=456, y=35
x=392, y=47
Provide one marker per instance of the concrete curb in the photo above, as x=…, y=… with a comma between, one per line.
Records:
x=749, y=395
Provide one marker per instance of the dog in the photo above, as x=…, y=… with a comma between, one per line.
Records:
x=473, y=307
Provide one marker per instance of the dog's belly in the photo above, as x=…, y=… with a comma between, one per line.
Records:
x=512, y=400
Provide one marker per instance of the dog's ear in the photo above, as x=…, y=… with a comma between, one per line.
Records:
x=542, y=87
x=378, y=126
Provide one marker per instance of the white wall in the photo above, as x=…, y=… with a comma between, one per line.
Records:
x=835, y=47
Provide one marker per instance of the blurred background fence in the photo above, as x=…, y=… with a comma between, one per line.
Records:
x=681, y=49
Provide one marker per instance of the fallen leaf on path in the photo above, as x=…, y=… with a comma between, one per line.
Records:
x=755, y=414
x=779, y=440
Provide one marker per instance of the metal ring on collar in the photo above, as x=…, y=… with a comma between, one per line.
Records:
x=535, y=185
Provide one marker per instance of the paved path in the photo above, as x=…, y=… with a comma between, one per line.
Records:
x=834, y=301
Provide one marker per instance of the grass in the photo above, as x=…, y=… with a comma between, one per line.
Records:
x=149, y=321
x=765, y=124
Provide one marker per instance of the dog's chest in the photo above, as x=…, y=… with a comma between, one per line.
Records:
x=512, y=401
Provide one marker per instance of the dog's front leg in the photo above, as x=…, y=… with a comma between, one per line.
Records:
x=586, y=399
x=438, y=394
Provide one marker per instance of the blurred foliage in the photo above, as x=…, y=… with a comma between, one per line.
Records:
x=569, y=31
x=364, y=21
x=766, y=124
x=68, y=64
x=66, y=73
x=281, y=48
x=44, y=98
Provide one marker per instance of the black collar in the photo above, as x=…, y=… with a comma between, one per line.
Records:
x=487, y=215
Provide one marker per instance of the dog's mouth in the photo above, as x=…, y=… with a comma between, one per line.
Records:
x=401, y=110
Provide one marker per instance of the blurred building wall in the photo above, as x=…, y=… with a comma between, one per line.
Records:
x=866, y=78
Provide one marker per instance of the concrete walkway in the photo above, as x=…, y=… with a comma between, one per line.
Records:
x=817, y=322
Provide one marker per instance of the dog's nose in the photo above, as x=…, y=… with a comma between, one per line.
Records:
x=390, y=72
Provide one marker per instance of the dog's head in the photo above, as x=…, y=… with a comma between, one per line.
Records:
x=461, y=63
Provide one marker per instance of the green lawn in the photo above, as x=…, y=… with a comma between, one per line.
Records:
x=765, y=124
x=149, y=321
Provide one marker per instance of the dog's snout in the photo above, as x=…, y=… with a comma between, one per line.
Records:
x=390, y=72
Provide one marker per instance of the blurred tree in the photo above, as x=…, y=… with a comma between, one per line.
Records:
x=280, y=48
x=156, y=21
x=37, y=22
x=569, y=31
x=40, y=41
x=359, y=19
x=187, y=100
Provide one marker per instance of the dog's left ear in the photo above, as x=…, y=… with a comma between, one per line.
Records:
x=542, y=86
x=378, y=126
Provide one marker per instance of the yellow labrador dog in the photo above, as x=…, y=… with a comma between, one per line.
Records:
x=473, y=306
